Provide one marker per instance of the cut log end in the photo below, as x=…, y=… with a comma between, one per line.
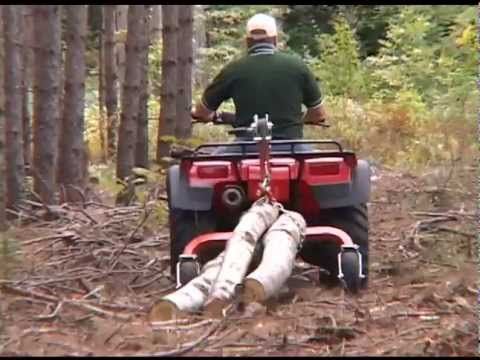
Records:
x=253, y=292
x=165, y=310
x=214, y=308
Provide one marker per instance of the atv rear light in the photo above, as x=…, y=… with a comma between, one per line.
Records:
x=325, y=169
x=212, y=171
x=351, y=160
x=328, y=170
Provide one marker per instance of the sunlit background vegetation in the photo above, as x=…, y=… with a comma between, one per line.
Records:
x=399, y=81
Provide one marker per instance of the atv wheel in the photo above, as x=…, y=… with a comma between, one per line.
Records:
x=354, y=221
x=351, y=275
x=185, y=225
x=188, y=271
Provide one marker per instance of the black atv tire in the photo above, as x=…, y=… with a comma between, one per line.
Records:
x=354, y=221
x=188, y=271
x=351, y=274
x=185, y=225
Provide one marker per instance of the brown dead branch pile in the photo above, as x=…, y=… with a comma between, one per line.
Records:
x=93, y=259
x=95, y=267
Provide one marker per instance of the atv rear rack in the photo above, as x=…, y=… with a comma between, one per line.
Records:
x=292, y=144
x=197, y=154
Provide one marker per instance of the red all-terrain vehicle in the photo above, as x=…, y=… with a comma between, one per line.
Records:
x=330, y=187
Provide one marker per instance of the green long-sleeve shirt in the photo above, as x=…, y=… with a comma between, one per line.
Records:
x=266, y=81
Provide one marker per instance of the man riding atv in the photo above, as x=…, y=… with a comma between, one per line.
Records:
x=265, y=81
x=329, y=187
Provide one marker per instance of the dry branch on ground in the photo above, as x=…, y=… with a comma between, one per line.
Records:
x=85, y=287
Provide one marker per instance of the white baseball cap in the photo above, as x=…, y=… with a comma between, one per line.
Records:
x=261, y=22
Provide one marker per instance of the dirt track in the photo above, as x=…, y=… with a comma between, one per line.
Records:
x=421, y=299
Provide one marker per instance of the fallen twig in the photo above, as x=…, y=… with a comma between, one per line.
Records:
x=15, y=291
x=192, y=345
x=186, y=348
x=184, y=327
x=114, y=333
x=68, y=234
x=146, y=283
x=421, y=313
x=449, y=213
x=67, y=348
x=160, y=324
x=455, y=231
x=52, y=315
x=93, y=292
x=97, y=310
x=22, y=214
x=423, y=225
x=127, y=242
x=87, y=215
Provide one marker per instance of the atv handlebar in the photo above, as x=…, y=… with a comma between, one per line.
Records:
x=223, y=118
x=228, y=118
x=321, y=124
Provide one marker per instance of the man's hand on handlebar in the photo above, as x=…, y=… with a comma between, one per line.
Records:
x=316, y=116
x=202, y=118
x=214, y=117
x=218, y=118
x=200, y=113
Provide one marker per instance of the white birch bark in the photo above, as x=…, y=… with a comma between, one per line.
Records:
x=193, y=295
x=281, y=244
x=240, y=247
x=229, y=267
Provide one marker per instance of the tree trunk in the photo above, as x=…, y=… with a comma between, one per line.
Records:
x=46, y=98
x=101, y=90
x=3, y=169
x=130, y=101
x=141, y=149
x=27, y=81
x=183, y=126
x=121, y=26
x=168, y=106
x=199, y=75
x=111, y=80
x=71, y=171
x=12, y=26
x=61, y=74
x=156, y=24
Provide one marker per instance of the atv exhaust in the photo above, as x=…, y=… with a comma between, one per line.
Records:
x=233, y=197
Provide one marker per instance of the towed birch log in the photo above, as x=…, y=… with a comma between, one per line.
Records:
x=238, y=254
x=191, y=297
x=281, y=245
x=240, y=246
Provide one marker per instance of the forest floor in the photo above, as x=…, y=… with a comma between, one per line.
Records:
x=83, y=283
